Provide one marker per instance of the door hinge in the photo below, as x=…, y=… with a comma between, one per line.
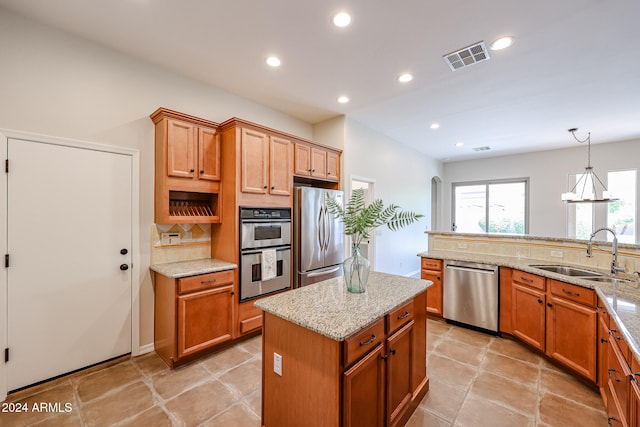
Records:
x=6, y=260
x=6, y=166
x=6, y=355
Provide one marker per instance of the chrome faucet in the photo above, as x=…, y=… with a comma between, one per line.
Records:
x=614, y=249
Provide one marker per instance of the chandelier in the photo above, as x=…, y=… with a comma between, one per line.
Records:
x=589, y=188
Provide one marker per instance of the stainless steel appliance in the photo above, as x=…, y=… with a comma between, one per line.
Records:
x=471, y=294
x=318, y=236
x=262, y=229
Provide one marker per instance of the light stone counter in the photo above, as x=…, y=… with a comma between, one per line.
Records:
x=328, y=309
x=180, y=269
x=622, y=301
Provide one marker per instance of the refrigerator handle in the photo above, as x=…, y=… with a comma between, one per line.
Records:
x=321, y=228
x=328, y=230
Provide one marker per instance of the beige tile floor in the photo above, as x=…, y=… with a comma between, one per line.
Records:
x=475, y=380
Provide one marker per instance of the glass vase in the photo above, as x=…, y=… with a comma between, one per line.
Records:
x=356, y=271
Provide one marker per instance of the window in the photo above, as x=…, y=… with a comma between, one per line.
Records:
x=621, y=214
x=491, y=206
x=584, y=218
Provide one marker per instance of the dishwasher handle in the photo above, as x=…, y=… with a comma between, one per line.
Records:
x=471, y=269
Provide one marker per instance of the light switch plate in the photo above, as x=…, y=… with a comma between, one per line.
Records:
x=277, y=364
x=167, y=239
x=557, y=254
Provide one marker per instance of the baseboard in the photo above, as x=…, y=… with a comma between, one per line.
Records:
x=147, y=348
x=415, y=274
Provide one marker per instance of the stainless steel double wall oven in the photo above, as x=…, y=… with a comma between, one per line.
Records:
x=261, y=229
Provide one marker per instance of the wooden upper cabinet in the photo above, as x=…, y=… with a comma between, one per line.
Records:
x=181, y=149
x=316, y=162
x=208, y=154
x=255, y=161
x=187, y=169
x=279, y=166
x=266, y=164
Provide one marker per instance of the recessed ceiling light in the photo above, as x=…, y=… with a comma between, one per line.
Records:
x=273, y=61
x=501, y=43
x=341, y=19
x=459, y=144
x=343, y=99
x=404, y=78
x=434, y=125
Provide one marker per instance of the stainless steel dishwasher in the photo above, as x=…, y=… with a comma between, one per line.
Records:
x=471, y=294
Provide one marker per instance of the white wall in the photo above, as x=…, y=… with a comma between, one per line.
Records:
x=548, y=172
x=402, y=176
x=56, y=84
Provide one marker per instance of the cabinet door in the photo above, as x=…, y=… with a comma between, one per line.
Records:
x=434, y=293
x=204, y=319
x=364, y=391
x=208, y=154
x=528, y=315
x=279, y=166
x=572, y=335
x=318, y=163
x=603, y=350
x=254, y=161
x=333, y=166
x=302, y=160
x=634, y=402
x=181, y=149
x=399, y=362
x=619, y=384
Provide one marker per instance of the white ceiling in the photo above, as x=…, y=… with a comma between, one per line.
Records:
x=574, y=63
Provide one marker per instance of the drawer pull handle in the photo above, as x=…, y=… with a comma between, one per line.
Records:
x=610, y=371
x=208, y=281
x=570, y=293
x=369, y=341
x=602, y=340
x=525, y=279
x=403, y=316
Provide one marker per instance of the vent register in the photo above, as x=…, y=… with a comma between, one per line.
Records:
x=467, y=56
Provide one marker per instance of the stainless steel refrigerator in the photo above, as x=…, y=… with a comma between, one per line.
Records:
x=318, y=236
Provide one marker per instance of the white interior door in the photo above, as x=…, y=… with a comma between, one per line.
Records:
x=69, y=224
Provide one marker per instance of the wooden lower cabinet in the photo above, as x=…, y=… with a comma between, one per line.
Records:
x=192, y=314
x=399, y=363
x=572, y=334
x=634, y=398
x=603, y=351
x=432, y=270
x=363, y=386
x=528, y=315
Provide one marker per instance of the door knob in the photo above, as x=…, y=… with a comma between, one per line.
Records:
x=123, y=251
x=124, y=267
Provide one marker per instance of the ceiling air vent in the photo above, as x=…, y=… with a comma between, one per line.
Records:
x=468, y=56
x=485, y=148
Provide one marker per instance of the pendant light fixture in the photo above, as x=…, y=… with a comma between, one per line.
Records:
x=589, y=188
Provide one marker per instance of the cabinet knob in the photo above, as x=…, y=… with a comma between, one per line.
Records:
x=549, y=305
x=273, y=187
x=392, y=351
x=539, y=300
x=192, y=170
x=313, y=170
x=265, y=187
x=384, y=356
x=328, y=173
x=202, y=171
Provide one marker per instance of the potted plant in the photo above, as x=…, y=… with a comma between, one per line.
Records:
x=360, y=220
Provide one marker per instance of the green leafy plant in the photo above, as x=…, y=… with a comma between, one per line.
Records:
x=361, y=219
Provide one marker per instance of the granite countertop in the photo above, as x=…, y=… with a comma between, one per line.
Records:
x=328, y=309
x=621, y=300
x=176, y=270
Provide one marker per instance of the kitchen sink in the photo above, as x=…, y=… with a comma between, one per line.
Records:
x=569, y=271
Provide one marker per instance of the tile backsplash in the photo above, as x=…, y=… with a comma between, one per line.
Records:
x=194, y=242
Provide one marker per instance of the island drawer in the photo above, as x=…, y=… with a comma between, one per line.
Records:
x=528, y=279
x=573, y=292
x=400, y=316
x=360, y=343
x=204, y=281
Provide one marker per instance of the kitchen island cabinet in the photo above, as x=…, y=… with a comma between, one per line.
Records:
x=332, y=358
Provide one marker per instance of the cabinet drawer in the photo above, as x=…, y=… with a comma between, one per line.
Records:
x=431, y=264
x=400, y=316
x=250, y=324
x=362, y=342
x=573, y=292
x=528, y=279
x=204, y=281
x=614, y=332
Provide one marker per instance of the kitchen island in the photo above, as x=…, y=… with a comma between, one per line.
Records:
x=333, y=358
